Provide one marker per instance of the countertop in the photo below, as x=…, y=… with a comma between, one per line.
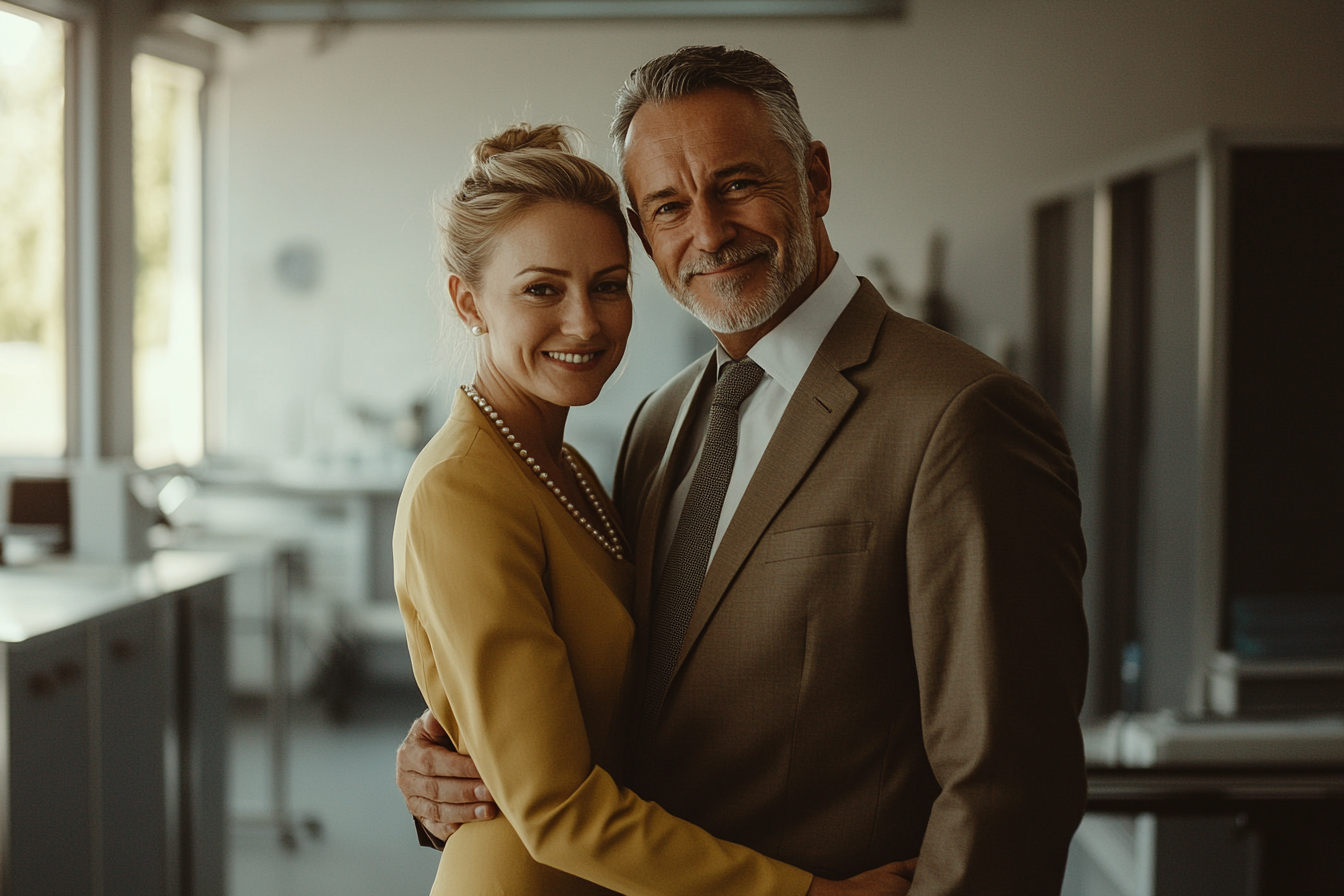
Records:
x=43, y=597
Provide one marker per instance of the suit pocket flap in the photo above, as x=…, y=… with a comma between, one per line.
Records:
x=844, y=538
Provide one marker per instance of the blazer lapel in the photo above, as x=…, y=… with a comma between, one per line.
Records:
x=654, y=505
x=819, y=405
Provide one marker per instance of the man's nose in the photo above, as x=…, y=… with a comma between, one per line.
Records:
x=711, y=227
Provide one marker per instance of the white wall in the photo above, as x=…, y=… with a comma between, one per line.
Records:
x=950, y=120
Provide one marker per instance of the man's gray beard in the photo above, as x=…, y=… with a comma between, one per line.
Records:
x=737, y=314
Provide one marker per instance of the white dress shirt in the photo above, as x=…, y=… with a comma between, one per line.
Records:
x=784, y=354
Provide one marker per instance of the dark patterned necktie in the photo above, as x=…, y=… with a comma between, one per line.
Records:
x=688, y=558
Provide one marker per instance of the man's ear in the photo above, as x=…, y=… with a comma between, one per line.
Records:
x=464, y=302
x=819, y=178
x=638, y=227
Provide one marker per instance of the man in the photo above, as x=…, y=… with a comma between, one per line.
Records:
x=859, y=600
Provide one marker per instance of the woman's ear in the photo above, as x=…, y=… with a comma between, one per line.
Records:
x=464, y=302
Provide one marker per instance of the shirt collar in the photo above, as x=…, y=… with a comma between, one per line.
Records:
x=787, y=351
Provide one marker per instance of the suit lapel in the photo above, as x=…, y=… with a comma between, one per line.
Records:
x=818, y=407
x=660, y=488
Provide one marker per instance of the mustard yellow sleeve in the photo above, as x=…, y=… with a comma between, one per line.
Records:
x=495, y=671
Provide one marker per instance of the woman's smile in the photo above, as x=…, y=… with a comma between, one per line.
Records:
x=574, y=360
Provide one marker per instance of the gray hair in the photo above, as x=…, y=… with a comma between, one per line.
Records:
x=693, y=69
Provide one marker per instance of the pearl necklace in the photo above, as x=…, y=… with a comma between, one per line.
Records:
x=609, y=539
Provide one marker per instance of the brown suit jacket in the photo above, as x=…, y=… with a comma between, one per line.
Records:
x=888, y=654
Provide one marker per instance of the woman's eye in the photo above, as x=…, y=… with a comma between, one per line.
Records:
x=540, y=289
x=611, y=287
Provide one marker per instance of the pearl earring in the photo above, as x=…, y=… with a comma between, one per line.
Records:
x=477, y=330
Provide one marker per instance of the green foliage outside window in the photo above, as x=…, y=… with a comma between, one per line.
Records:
x=155, y=101
x=32, y=235
x=32, y=238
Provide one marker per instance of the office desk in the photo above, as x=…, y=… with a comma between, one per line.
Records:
x=1224, y=830
x=113, y=727
x=1203, y=790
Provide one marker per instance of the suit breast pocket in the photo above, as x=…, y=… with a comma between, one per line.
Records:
x=816, y=541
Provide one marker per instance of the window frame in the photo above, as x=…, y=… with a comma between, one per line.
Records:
x=99, y=410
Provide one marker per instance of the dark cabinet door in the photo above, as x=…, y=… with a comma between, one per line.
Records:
x=134, y=702
x=1284, y=522
x=50, y=798
x=203, y=712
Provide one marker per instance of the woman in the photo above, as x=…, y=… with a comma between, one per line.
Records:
x=511, y=571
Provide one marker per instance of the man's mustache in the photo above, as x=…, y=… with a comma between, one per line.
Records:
x=708, y=262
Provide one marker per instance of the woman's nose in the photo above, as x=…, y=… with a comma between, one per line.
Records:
x=579, y=320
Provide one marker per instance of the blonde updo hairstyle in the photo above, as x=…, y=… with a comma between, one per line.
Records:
x=512, y=172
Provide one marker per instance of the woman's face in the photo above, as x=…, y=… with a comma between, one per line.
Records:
x=554, y=301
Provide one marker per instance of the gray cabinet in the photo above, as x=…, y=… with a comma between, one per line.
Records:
x=113, y=716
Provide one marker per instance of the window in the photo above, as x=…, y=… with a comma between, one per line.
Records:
x=167, y=376
x=32, y=234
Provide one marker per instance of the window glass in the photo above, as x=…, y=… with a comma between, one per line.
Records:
x=32, y=234
x=169, y=414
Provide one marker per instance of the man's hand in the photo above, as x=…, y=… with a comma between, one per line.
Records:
x=442, y=788
x=889, y=880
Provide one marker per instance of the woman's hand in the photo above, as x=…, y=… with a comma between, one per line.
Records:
x=889, y=880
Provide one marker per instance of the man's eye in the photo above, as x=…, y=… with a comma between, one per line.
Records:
x=735, y=185
x=666, y=208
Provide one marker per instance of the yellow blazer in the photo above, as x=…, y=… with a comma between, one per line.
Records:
x=521, y=639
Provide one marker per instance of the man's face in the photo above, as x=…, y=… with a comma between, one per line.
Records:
x=720, y=206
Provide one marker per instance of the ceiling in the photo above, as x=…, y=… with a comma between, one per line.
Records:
x=245, y=14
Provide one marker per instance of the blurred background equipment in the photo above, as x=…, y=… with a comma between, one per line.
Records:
x=1187, y=329
x=40, y=509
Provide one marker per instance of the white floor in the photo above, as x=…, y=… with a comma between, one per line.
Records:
x=342, y=775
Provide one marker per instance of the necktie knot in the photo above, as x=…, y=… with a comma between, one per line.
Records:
x=737, y=380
